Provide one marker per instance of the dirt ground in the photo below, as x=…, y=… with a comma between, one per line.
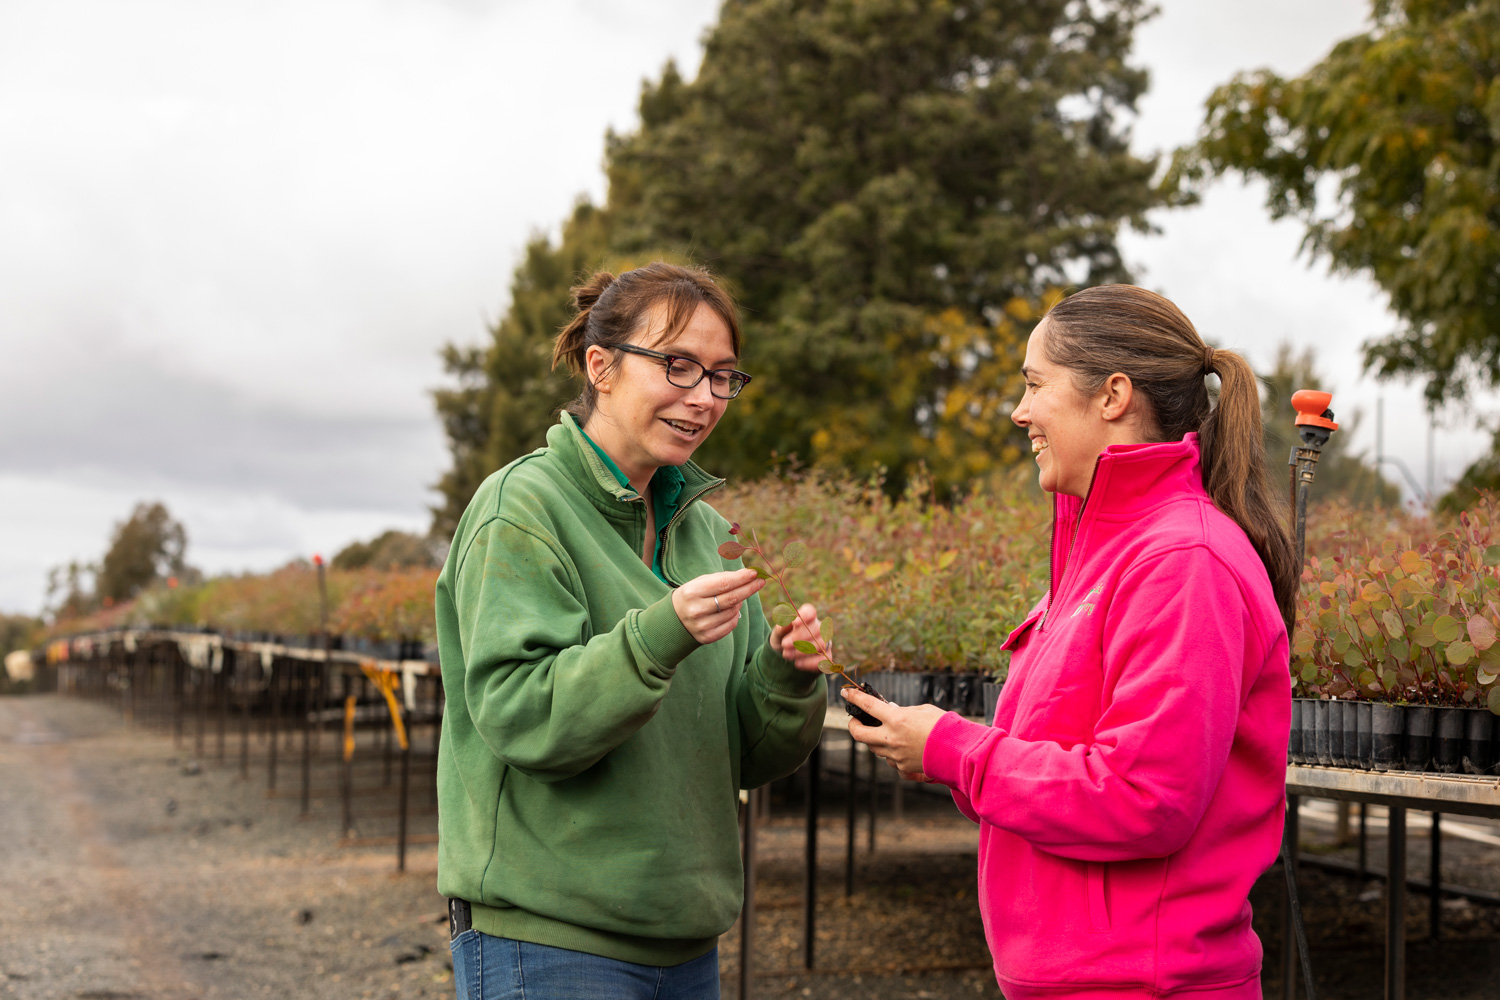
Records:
x=136, y=866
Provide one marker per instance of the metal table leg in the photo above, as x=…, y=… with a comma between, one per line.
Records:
x=306, y=692
x=853, y=804
x=405, y=795
x=810, y=878
x=1288, y=937
x=1435, y=879
x=1364, y=840
x=747, y=913
x=1395, y=906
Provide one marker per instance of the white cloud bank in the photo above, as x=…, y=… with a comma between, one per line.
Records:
x=233, y=236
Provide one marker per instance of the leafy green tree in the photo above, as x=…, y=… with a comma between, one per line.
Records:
x=1482, y=476
x=1341, y=473
x=893, y=188
x=1387, y=152
x=147, y=547
x=881, y=179
x=18, y=632
x=70, y=590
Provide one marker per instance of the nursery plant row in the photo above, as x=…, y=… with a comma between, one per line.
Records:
x=1380, y=736
x=922, y=590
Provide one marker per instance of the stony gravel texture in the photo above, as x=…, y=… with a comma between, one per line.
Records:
x=133, y=870
x=137, y=868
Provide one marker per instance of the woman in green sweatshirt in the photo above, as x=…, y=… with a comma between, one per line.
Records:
x=612, y=682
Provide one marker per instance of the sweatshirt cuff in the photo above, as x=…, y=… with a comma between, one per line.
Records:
x=780, y=675
x=950, y=741
x=663, y=636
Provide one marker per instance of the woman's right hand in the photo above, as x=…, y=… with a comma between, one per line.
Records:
x=709, y=606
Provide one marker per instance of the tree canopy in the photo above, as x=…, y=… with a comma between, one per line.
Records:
x=893, y=188
x=1386, y=151
x=146, y=547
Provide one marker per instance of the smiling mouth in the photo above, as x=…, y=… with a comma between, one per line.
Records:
x=681, y=427
x=1038, y=445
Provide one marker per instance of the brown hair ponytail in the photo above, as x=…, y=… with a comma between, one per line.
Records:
x=611, y=310
x=1121, y=328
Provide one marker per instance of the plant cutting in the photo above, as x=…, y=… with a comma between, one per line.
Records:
x=786, y=612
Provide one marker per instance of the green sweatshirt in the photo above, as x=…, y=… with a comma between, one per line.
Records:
x=592, y=751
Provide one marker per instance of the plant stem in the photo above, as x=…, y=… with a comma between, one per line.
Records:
x=776, y=575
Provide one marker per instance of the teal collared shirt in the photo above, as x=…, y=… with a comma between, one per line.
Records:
x=666, y=490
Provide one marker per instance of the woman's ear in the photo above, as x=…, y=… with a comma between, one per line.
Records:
x=1115, y=396
x=596, y=361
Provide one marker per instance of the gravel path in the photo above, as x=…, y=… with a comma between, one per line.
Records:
x=133, y=870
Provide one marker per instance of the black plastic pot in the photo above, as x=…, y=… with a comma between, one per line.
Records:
x=904, y=689
x=1322, y=751
x=1479, y=741
x=855, y=711
x=1294, y=739
x=942, y=691
x=1420, y=723
x=1364, y=743
x=1309, y=731
x=1336, y=732
x=991, y=699
x=1341, y=720
x=1351, y=734
x=967, y=698
x=1448, y=743
x=1387, y=728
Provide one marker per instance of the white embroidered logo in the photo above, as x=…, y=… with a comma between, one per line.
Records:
x=1086, y=607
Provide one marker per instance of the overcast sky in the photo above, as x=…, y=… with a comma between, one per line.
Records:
x=233, y=236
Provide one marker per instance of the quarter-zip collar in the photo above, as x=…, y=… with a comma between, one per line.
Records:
x=1128, y=481
x=583, y=464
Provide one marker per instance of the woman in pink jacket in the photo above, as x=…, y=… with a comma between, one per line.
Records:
x=1131, y=788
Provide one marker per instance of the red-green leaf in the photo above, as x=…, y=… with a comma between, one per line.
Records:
x=794, y=553
x=1422, y=636
x=1392, y=623
x=1481, y=632
x=1446, y=628
x=731, y=550
x=783, y=614
x=1459, y=652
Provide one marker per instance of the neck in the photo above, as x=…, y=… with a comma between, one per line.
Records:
x=603, y=433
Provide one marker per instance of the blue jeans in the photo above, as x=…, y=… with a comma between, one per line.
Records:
x=494, y=968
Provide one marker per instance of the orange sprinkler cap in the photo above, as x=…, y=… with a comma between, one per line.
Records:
x=1310, y=405
x=317, y=560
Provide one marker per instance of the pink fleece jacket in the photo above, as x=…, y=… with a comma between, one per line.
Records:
x=1132, y=786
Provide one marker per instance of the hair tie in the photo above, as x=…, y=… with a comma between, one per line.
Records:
x=1208, y=359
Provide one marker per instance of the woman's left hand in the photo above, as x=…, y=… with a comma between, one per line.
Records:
x=901, y=738
x=806, y=628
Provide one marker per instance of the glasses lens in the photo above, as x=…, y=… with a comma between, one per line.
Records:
x=727, y=385
x=684, y=373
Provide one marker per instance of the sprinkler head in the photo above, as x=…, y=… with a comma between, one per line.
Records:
x=1314, y=418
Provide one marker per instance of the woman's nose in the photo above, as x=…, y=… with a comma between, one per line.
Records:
x=701, y=394
x=1019, y=416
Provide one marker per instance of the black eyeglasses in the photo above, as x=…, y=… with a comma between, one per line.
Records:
x=685, y=373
